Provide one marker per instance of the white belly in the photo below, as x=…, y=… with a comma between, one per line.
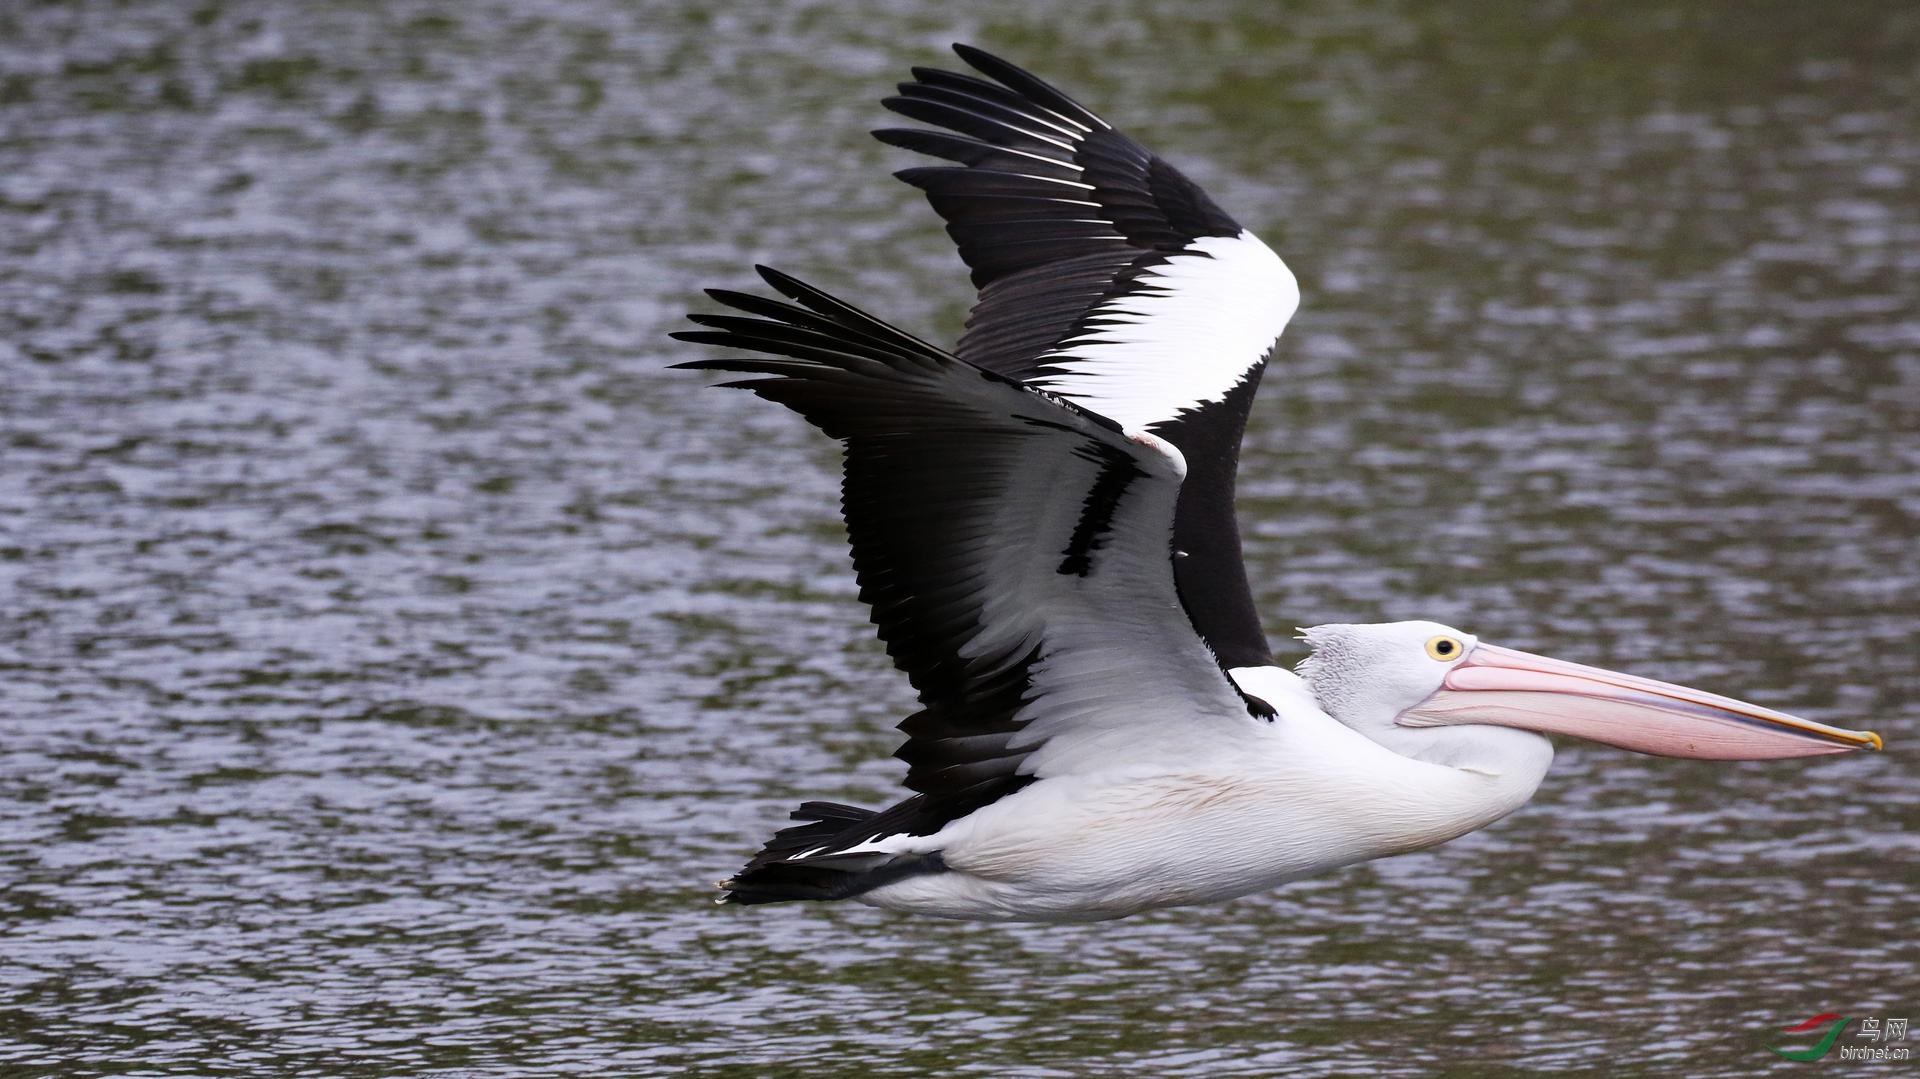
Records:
x=1082, y=848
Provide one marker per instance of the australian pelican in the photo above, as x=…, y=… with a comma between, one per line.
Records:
x=1042, y=523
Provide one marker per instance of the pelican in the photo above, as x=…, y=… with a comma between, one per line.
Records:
x=1041, y=521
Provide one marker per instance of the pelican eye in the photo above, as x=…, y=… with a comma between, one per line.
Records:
x=1444, y=649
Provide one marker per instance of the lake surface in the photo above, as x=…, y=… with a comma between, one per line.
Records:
x=393, y=652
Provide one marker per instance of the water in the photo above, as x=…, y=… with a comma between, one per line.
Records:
x=392, y=651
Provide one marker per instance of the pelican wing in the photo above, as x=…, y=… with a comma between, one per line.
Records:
x=1110, y=279
x=1013, y=547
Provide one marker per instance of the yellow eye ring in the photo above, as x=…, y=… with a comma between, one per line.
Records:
x=1445, y=649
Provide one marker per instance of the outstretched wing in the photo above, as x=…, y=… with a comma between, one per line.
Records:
x=1013, y=548
x=1112, y=280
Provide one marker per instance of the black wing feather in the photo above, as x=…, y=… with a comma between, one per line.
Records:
x=949, y=473
x=1057, y=213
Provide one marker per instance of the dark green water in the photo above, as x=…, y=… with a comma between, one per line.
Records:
x=391, y=651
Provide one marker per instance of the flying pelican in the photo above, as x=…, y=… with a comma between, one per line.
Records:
x=1042, y=524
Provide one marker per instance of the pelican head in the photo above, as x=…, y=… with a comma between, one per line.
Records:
x=1393, y=681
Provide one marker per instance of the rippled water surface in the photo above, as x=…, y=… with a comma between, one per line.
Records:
x=392, y=651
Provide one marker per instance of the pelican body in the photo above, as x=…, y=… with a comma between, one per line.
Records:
x=1042, y=524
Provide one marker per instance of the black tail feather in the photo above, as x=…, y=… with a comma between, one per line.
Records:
x=825, y=821
x=775, y=875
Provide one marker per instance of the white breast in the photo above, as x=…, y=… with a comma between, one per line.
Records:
x=1301, y=795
